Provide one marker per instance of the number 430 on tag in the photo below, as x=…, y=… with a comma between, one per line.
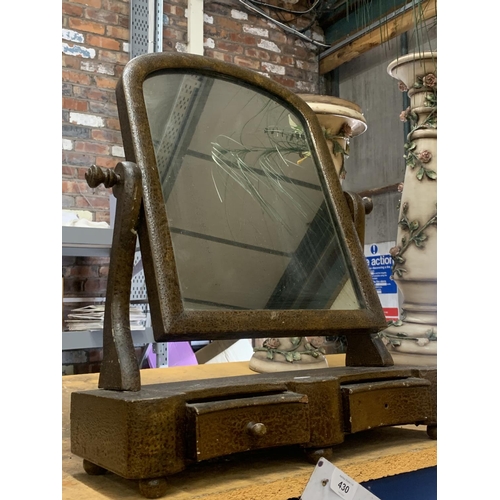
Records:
x=328, y=482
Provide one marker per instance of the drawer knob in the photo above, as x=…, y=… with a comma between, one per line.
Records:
x=256, y=429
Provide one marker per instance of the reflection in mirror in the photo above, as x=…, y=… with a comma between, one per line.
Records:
x=249, y=222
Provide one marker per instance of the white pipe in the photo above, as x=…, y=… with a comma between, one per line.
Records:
x=195, y=27
x=151, y=25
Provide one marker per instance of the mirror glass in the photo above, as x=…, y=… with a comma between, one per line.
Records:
x=249, y=222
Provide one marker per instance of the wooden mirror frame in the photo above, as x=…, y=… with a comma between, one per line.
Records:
x=141, y=210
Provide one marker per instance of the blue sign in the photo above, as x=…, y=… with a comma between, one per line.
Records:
x=381, y=271
x=374, y=249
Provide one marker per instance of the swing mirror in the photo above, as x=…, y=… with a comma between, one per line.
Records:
x=245, y=231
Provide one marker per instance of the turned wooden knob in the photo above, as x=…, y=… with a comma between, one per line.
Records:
x=368, y=204
x=96, y=175
x=256, y=429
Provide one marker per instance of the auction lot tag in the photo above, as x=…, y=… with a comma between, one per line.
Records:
x=343, y=485
x=328, y=482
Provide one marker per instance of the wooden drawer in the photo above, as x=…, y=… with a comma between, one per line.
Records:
x=217, y=428
x=390, y=402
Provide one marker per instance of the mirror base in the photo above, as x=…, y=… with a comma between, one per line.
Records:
x=163, y=428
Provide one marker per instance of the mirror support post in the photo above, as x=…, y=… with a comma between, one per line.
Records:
x=367, y=350
x=364, y=349
x=120, y=369
x=358, y=207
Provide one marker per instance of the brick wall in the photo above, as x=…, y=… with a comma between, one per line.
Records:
x=85, y=276
x=240, y=37
x=95, y=49
x=95, y=38
x=95, y=35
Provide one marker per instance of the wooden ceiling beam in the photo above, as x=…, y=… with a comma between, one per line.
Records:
x=386, y=31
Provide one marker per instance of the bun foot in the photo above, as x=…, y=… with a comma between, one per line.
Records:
x=93, y=469
x=432, y=431
x=314, y=454
x=153, y=488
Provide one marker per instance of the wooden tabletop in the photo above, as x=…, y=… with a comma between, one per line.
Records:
x=277, y=474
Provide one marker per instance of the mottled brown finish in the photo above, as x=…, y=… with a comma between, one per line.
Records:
x=119, y=369
x=323, y=399
x=140, y=209
x=169, y=318
x=270, y=474
x=161, y=429
x=153, y=488
x=136, y=435
x=357, y=210
x=430, y=374
x=231, y=426
x=367, y=350
x=389, y=402
x=96, y=176
x=149, y=433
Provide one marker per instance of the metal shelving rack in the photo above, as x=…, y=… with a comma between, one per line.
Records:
x=96, y=242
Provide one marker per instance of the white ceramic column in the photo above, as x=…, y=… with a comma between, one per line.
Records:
x=413, y=338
